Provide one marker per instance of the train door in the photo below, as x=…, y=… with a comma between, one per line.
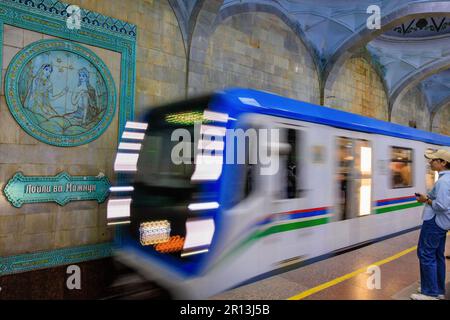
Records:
x=248, y=195
x=354, y=178
x=288, y=193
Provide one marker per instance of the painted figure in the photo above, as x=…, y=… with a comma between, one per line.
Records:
x=40, y=93
x=84, y=98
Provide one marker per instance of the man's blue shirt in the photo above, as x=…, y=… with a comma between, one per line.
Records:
x=440, y=207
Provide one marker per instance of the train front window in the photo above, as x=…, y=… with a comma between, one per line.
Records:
x=170, y=212
x=160, y=166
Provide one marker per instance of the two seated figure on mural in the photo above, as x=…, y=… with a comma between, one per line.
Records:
x=60, y=93
x=81, y=108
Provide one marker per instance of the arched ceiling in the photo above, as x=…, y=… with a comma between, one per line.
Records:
x=408, y=61
x=403, y=60
x=411, y=48
x=186, y=12
x=437, y=90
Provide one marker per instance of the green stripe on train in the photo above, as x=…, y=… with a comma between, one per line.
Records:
x=271, y=230
x=290, y=226
x=282, y=228
x=298, y=225
x=400, y=207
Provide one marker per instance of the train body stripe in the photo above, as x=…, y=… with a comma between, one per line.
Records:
x=288, y=227
x=267, y=225
x=258, y=234
x=307, y=214
x=262, y=232
x=294, y=214
x=395, y=200
x=399, y=207
x=398, y=198
x=305, y=210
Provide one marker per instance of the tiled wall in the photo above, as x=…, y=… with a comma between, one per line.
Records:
x=47, y=226
x=412, y=108
x=358, y=89
x=441, y=121
x=255, y=50
x=161, y=57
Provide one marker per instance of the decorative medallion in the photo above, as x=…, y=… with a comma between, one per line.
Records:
x=60, y=92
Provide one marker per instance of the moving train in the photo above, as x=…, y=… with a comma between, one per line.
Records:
x=218, y=190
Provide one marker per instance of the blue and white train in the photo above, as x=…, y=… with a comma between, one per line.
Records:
x=200, y=227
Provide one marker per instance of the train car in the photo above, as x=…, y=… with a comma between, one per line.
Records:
x=201, y=215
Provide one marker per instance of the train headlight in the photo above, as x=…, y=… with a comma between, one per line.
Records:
x=154, y=232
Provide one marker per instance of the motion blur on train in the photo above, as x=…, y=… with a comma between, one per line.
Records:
x=219, y=190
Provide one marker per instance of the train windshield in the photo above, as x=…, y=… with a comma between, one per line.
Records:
x=160, y=168
x=163, y=213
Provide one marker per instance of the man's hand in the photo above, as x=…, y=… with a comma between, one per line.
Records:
x=422, y=198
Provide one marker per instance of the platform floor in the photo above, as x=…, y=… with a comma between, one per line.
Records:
x=344, y=277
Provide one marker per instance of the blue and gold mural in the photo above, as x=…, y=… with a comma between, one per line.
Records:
x=60, y=92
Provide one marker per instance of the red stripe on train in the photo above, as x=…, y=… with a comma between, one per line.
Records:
x=304, y=210
x=391, y=199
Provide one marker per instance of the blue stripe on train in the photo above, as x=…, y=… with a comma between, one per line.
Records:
x=290, y=216
x=383, y=203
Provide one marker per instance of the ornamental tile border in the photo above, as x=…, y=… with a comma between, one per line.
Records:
x=58, y=9
x=48, y=259
x=49, y=16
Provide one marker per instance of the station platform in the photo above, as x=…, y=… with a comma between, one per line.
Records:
x=345, y=276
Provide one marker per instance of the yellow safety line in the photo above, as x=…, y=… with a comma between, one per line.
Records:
x=334, y=282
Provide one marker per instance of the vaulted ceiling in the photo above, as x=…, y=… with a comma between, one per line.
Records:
x=411, y=49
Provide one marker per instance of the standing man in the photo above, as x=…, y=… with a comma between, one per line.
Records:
x=436, y=223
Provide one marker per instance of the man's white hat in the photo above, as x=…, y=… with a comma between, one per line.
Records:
x=439, y=154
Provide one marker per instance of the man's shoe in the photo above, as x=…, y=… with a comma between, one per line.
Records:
x=440, y=296
x=419, y=296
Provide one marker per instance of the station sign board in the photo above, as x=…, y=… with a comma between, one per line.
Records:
x=62, y=189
